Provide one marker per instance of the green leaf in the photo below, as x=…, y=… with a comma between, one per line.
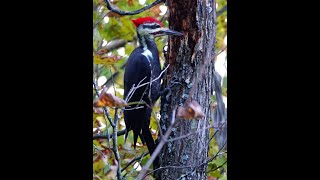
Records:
x=129, y=48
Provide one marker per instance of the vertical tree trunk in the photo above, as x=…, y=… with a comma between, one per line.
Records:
x=187, y=54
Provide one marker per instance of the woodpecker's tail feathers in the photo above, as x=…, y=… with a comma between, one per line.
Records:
x=150, y=144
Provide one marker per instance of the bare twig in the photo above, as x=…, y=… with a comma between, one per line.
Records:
x=103, y=136
x=120, y=12
x=217, y=167
x=101, y=19
x=216, y=131
x=217, y=154
x=134, y=88
x=115, y=145
x=155, y=78
x=137, y=166
x=134, y=108
x=222, y=10
x=135, y=159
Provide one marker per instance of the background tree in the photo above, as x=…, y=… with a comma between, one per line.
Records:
x=114, y=39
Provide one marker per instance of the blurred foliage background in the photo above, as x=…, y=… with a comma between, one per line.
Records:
x=115, y=36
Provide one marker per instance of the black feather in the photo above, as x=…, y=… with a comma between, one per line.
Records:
x=137, y=68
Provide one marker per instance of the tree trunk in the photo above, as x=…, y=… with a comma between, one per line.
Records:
x=187, y=54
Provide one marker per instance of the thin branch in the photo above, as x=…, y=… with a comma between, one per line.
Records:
x=135, y=168
x=135, y=159
x=217, y=154
x=105, y=136
x=101, y=19
x=115, y=145
x=155, y=78
x=132, y=90
x=210, y=159
x=134, y=108
x=217, y=131
x=222, y=10
x=217, y=167
x=120, y=12
x=112, y=79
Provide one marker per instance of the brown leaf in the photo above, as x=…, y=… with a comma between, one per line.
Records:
x=110, y=100
x=192, y=110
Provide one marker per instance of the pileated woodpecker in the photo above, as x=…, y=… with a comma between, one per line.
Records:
x=143, y=66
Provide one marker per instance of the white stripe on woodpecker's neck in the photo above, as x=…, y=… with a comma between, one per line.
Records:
x=147, y=53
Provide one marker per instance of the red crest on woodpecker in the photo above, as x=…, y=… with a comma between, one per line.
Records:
x=139, y=21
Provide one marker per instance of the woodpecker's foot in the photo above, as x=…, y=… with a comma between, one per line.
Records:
x=167, y=89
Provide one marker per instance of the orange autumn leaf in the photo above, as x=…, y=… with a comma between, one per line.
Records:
x=110, y=100
x=192, y=110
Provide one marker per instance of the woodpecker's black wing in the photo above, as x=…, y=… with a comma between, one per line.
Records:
x=138, y=120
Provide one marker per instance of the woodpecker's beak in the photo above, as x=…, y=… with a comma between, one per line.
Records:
x=166, y=31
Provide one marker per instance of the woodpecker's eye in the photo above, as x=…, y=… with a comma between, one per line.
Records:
x=158, y=26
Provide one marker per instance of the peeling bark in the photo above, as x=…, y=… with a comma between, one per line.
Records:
x=196, y=19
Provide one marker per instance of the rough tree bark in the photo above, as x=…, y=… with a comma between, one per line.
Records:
x=196, y=19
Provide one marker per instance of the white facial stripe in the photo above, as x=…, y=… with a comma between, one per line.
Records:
x=143, y=30
x=150, y=24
